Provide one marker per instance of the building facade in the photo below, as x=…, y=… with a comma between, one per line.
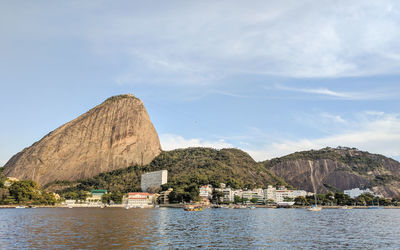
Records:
x=139, y=199
x=163, y=198
x=355, y=192
x=154, y=179
x=282, y=194
x=96, y=196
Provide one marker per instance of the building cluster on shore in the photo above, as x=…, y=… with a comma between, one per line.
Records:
x=207, y=194
x=257, y=195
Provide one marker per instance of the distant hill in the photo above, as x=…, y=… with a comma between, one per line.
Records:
x=338, y=169
x=185, y=167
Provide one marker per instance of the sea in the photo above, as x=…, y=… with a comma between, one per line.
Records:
x=173, y=228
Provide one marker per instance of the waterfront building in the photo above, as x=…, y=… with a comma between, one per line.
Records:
x=355, y=192
x=256, y=193
x=96, y=195
x=282, y=194
x=205, y=191
x=153, y=179
x=237, y=192
x=269, y=193
x=163, y=198
x=139, y=199
x=228, y=194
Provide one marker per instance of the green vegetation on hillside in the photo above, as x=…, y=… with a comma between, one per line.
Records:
x=25, y=192
x=187, y=170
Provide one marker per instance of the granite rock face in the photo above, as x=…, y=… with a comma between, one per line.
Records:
x=338, y=169
x=115, y=134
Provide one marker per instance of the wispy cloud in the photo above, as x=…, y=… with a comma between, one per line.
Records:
x=197, y=41
x=362, y=95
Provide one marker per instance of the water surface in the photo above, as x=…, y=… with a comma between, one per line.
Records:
x=211, y=228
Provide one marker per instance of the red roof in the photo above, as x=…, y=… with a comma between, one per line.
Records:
x=136, y=193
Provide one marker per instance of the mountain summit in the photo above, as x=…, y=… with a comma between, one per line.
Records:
x=115, y=134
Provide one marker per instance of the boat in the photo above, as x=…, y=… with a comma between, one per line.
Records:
x=346, y=207
x=192, y=208
x=315, y=208
x=285, y=204
x=252, y=207
x=20, y=207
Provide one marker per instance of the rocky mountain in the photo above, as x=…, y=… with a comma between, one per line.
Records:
x=116, y=134
x=338, y=169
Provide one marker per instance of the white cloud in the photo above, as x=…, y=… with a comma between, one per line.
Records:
x=372, y=131
x=201, y=41
x=172, y=141
x=375, y=132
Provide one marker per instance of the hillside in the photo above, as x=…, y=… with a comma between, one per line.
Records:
x=116, y=134
x=338, y=169
x=185, y=167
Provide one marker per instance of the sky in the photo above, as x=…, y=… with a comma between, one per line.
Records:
x=268, y=77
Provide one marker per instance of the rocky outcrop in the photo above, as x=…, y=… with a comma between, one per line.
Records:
x=115, y=134
x=337, y=170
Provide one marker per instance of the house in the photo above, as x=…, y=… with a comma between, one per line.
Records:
x=139, y=199
x=96, y=195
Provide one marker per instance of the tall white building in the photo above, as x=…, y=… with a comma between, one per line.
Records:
x=279, y=195
x=355, y=192
x=154, y=179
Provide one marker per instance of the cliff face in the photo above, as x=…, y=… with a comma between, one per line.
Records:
x=338, y=169
x=115, y=134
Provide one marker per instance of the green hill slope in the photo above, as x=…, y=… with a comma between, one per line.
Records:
x=197, y=166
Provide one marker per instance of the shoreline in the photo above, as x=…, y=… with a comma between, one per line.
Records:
x=181, y=206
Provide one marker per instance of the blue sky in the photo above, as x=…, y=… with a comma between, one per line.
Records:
x=269, y=77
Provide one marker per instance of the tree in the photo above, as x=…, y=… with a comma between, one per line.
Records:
x=24, y=191
x=116, y=197
x=217, y=195
x=254, y=200
x=71, y=196
x=82, y=195
x=106, y=198
x=237, y=199
x=301, y=200
x=269, y=201
x=288, y=199
x=342, y=199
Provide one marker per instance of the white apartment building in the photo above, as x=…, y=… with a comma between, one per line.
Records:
x=355, y=192
x=153, y=179
x=228, y=193
x=279, y=195
x=205, y=192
